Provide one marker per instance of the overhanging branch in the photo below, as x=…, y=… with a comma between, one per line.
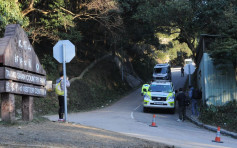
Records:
x=31, y=8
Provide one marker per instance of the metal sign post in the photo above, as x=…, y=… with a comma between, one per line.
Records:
x=64, y=81
x=64, y=52
x=189, y=69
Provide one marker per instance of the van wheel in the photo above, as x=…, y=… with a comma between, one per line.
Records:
x=145, y=110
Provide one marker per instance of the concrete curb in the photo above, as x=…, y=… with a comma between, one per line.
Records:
x=212, y=128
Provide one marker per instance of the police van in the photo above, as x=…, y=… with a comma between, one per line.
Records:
x=188, y=61
x=162, y=72
x=160, y=94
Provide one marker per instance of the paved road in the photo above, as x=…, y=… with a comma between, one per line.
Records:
x=126, y=117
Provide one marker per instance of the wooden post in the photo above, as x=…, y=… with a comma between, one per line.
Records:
x=27, y=108
x=8, y=107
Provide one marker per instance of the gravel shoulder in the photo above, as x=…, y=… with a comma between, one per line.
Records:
x=56, y=134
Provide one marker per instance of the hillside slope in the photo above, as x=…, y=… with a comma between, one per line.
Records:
x=100, y=86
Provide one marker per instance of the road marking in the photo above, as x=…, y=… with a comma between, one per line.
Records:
x=135, y=110
x=137, y=107
x=132, y=115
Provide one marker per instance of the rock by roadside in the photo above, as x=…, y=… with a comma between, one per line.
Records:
x=55, y=134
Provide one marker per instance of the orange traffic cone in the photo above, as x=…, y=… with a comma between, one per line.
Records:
x=153, y=124
x=218, y=138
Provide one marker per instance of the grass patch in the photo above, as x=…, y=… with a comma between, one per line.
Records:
x=8, y=124
x=17, y=122
x=223, y=116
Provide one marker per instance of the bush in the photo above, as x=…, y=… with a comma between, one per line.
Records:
x=224, y=116
x=100, y=87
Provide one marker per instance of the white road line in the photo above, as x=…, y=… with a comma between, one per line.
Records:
x=132, y=115
x=137, y=107
x=134, y=109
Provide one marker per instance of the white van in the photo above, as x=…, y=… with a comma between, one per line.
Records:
x=188, y=61
x=162, y=72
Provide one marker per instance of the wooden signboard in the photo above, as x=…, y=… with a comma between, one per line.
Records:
x=16, y=51
x=20, y=73
x=21, y=76
x=21, y=88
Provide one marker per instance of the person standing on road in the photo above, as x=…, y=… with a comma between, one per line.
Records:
x=196, y=95
x=190, y=92
x=182, y=71
x=60, y=92
x=181, y=98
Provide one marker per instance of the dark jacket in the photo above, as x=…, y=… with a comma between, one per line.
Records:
x=181, y=97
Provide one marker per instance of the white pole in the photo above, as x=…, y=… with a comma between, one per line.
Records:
x=64, y=80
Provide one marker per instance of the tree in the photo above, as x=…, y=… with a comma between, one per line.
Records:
x=54, y=18
x=11, y=13
x=137, y=15
x=224, y=49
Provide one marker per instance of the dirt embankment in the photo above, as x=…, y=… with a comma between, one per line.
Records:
x=55, y=134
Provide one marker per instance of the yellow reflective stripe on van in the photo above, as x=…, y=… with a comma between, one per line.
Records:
x=149, y=94
x=169, y=95
x=146, y=101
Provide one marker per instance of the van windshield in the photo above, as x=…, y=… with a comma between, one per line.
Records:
x=160, y=88
x=162, y=70
x=188, y=62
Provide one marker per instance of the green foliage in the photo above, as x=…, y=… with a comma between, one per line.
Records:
x=47, y=105
x=224, y=51
x=57, y=22
x=138, y=29
x=179, y=15
x=11, y=14
x=144, y=65
x=72, y=35
x=164, y=16
x=171, y=48
x=217, y=16
x=224, y=116
x=50, y=66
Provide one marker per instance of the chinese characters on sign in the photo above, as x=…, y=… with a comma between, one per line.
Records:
x=19, y=88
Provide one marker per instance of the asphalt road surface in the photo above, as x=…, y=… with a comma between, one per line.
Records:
x=126, y=116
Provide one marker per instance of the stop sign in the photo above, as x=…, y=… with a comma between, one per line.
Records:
x=189, y=69
x=69, y=51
